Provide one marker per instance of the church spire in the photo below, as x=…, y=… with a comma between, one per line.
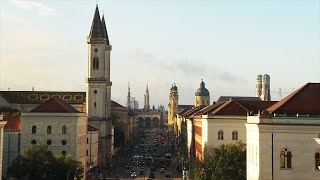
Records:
x=104, y=30
x=96, y=27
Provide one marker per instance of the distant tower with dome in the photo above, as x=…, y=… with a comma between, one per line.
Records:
x=202, y=96
x=173, y=106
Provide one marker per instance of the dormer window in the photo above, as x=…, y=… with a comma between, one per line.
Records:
x=95, y=63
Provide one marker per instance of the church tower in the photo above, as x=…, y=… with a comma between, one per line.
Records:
x=129, y=97
x=173, y=106
x=98, y=84
x=263, y=87
x=146, y=100
x=202, y=96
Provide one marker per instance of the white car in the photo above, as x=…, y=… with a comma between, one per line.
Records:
x=133, y=175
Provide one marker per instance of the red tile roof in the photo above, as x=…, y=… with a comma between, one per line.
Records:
x=55, y=105
x=241, y=108
x=13, y=122
x=305, y=100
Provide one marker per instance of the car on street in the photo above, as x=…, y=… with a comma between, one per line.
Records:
x=128, y=166
x=162, y=170
x=168, y=175
x=152, y=175
x=133, y=175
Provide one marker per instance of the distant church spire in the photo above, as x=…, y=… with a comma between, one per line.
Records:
x=129, y=96
x=147, y=99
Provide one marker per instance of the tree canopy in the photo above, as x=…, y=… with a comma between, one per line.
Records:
x=38, y=162
x=225, y=162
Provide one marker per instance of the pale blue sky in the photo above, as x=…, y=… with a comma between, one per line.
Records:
x=226, y=43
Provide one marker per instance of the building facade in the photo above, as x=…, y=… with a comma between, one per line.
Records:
x=280, y=140
x=2, y=124
x=58, y=125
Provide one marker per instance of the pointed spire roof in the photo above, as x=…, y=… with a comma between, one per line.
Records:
x=104, y=30
x=96, y=27
x=147, y=89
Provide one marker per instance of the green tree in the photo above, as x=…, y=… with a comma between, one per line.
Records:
x=226, y=162
x=38, y=162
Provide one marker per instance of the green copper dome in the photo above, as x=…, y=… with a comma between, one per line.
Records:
x=202, y=91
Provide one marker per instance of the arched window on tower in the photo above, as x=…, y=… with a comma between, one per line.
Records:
x=95, y=63
x=48, y=129
x=34, y=129
x=64, y=129
x=285, y=159
x=220, y=135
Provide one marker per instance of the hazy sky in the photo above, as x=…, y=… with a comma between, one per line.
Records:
x=161, y=42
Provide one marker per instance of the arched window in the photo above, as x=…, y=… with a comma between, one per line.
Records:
x=64, y=129
x=317, y=160
x=235, y=135
x=220, y=134
x=95, y=63
x=49, y=130
x=33, y=142
x=63, y=142
x=49, y=142
x=34, y=130
x=285, y=159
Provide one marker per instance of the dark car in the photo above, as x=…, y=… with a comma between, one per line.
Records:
x=153, y=169
x=128, y=166
x=152, y=175
x=168, y=175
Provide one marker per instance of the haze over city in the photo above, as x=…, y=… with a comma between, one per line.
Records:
x=225, y=43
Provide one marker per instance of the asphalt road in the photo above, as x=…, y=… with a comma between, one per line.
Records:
x=122, y=159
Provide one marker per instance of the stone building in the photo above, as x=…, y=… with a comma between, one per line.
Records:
x=2, y=124
x=11, y=141
x=58, y=125
x=280, y=140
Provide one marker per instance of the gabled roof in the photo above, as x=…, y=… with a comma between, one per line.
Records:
x=238, y=98
x=91, y=128
x=55, y=105
x=241, y=108
x=189, y=113
x=208, y=109
x=305, y=100
x=96, y=27
x=185, y=106
x=13, y=122
x=115, y=104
